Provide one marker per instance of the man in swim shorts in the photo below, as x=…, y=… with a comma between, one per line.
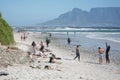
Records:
x=101, y=51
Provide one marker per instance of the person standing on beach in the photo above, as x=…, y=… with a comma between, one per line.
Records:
x=47, y=42
x=107, y=53
x=77, y=53
x=33, y=44
x=50, y=34
x=68, y=40
x=101, y=51
x=42, y=46
x=21, y=37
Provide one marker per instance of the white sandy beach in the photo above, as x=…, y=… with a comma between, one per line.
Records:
x=69, y=69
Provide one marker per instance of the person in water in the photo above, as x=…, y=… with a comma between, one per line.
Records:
x=77, y=53
x=107, y=53
x=68, y=40
x=50, y=34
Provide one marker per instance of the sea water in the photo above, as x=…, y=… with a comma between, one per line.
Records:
x=92, y=38
x=88, y=38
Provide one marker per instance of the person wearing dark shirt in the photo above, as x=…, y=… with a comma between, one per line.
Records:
x=77, y=53
x=33, y=44
x=107, y=53
x=47, y=42
x=68, y=40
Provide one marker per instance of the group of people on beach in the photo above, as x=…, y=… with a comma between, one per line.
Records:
x=23, y=36
x=77, y=49
x=101, y=54
x=41, y=51
x=100, y=50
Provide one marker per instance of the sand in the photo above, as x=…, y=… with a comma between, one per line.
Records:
x=66, y=69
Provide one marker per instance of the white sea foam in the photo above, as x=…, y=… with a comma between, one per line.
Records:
x=105, y=36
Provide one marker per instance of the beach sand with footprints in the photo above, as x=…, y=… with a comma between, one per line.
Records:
x=64, y=69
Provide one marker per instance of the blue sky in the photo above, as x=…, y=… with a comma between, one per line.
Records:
x=31, y=12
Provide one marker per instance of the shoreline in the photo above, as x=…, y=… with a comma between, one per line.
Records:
x=87, y=69
x=90, y=47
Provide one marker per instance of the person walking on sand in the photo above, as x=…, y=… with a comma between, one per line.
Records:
x=101, y=51
x=77, y=53
x=107, y=53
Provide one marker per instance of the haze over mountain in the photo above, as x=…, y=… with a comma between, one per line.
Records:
x=96, y=17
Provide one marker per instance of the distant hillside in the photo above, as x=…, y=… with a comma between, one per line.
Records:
x=6, y=33
x=96, y=17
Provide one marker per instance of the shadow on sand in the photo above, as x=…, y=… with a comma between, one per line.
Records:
x=91, y=62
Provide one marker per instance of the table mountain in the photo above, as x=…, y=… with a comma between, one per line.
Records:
x=96, y=17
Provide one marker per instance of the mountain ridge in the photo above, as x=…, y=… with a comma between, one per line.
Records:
x=99, y=16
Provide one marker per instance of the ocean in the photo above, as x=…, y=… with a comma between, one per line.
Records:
x=88, y=38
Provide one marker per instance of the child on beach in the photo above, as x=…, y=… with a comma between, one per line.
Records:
x=101, y=51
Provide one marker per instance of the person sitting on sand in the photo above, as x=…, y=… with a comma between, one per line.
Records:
x=30, y=55
x=52, y=60
x=38, y=53
x=53, y=55
x=101, y=51
x=8, y=49
x=48, y=67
